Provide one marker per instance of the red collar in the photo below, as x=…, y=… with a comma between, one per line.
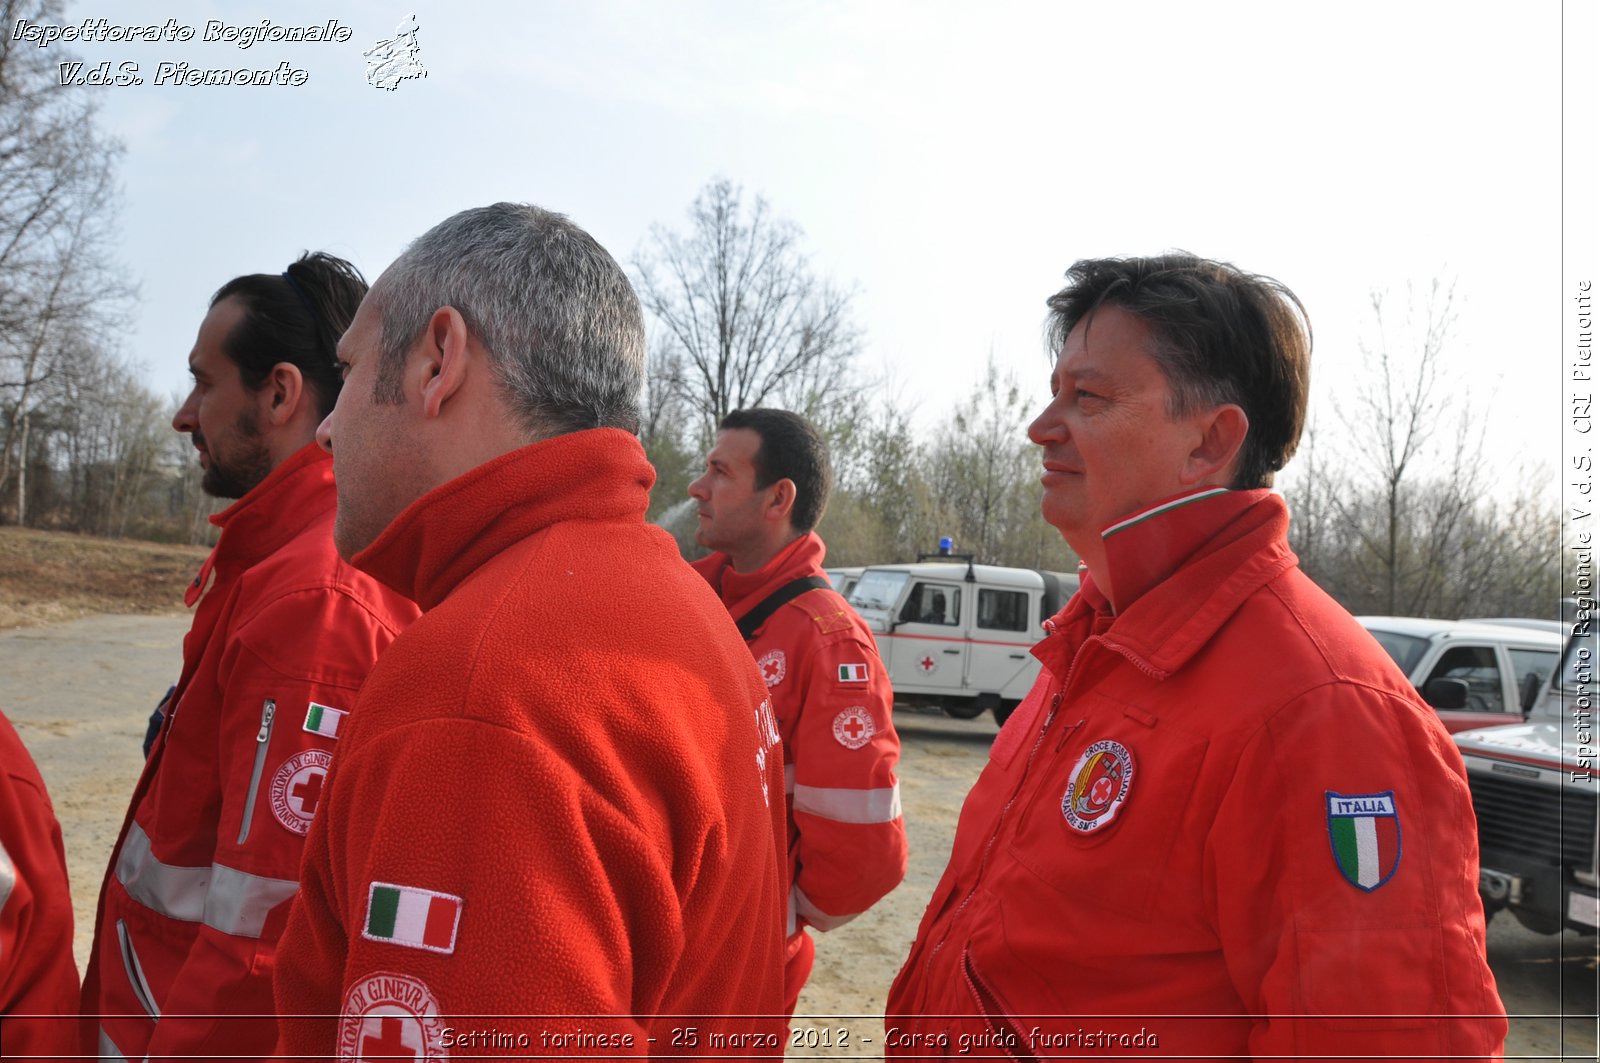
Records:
x=1179, y=569
x=743, y=591
x=292, y=496
x=449, y=533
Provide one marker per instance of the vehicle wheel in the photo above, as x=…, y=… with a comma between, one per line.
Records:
x=964, y=710
x=1002, y=711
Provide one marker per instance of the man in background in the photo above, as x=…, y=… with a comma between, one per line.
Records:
x=560, y=803
x=38, y=977
x=1188, y=838
x=283, y=635
x=765, y=487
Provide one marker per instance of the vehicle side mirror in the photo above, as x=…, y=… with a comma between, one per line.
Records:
x=1446, y=693
x=1532, y=683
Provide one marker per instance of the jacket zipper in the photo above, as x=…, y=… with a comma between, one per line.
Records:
x=130, y=963
x=269, y=709
x=983, y=864
x=999, y=1021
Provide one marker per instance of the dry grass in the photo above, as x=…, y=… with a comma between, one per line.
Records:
x=47, y=577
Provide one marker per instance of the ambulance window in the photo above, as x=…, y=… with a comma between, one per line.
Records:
x=1003, y=610
x=932, y=603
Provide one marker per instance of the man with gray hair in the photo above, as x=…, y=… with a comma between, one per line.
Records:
x=564, y=807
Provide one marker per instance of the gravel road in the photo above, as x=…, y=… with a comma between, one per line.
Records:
x=79, y=694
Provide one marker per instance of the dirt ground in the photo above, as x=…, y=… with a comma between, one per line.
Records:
x=79, y=693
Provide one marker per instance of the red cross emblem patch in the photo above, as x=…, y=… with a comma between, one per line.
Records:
x=391, y=1016
x=928, y=664
x=853, y=728
x=1098, y=786
x=774, y=666
x=297, y=789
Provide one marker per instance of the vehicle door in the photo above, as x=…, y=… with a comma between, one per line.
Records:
x=1002, y=634
x=929, y=642
x=1491, y=699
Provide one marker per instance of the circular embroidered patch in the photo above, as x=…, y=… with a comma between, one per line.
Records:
x=1097, y=786
x=297, y=789
x=774, y=665
x=854, y=727
x=391, y=1016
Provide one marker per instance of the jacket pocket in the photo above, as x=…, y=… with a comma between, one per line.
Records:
x=269, y=711
x=1105, y=816
x=135, y=972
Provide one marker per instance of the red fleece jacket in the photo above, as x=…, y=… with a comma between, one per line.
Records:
x=562, y=816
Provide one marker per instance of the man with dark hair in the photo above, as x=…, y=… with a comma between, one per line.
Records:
x=284, y=633
x=560, y=803
x=1188, y=838
x=764, y=489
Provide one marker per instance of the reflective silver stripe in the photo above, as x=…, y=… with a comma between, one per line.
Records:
x=8, y=876
x=221, y=897
x=816, y=916
x=108, y=1048
x=849, y=806
x=136, y=979
x=789, y=926
x=788, y=778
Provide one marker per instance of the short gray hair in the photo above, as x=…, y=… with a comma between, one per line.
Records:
x=555, y=312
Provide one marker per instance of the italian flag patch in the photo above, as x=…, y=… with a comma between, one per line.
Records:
x=853, y=673
x=415, y=918
x=1365, y=832
x=323, y=720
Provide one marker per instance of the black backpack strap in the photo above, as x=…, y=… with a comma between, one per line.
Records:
x=752, y=621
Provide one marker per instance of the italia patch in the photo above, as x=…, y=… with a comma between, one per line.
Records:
x=297, y=789
x=1365, y=832
x=853, y=673
x=1098, y=786
x=324, y=720
x=415, y=918
x=854, y=727
x=774, y=666
x=391, y=1016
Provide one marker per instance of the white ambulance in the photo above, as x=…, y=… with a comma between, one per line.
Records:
x=956, y=635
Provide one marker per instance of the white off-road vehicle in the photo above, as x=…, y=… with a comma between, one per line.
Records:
x=957, y=635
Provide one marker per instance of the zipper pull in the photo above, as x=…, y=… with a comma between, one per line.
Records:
x=1065, y=731
x=269, y=708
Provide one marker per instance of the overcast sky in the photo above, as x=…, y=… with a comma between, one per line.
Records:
x=949, y=160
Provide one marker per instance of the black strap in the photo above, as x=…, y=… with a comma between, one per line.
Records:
x=751, y=621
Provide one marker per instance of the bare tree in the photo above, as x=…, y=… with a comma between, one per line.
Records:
x=744, y=320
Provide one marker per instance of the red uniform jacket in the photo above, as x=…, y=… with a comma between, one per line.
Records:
x=38, y=977
x=199, y=883
x=1222, y=824
x=847, y=837
x=559, y=812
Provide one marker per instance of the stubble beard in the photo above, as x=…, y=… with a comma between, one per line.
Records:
x=246, y=467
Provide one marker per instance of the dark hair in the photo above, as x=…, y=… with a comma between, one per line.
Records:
x=1220, y=336
x=296, y=316
x=790, y=449
x=553, y=310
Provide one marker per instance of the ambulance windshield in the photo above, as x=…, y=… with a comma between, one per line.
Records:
x=878, y=589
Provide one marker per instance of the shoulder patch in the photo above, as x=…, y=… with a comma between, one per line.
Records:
x=774, y=665
x=392, y=1016
x=1364, y=830
x=323, y=720
x=297, y=789
x=853, y=728
x=415, y=918
x=853, y=673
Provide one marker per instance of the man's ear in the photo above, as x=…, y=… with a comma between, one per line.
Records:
x=1214, y=459
x=440, y=365
x=780, y=503
x=281, y=394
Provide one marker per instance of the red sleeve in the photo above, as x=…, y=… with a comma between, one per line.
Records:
x=1344, y=876
x=292, y=667
x=850, y=832
x=38, y=978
